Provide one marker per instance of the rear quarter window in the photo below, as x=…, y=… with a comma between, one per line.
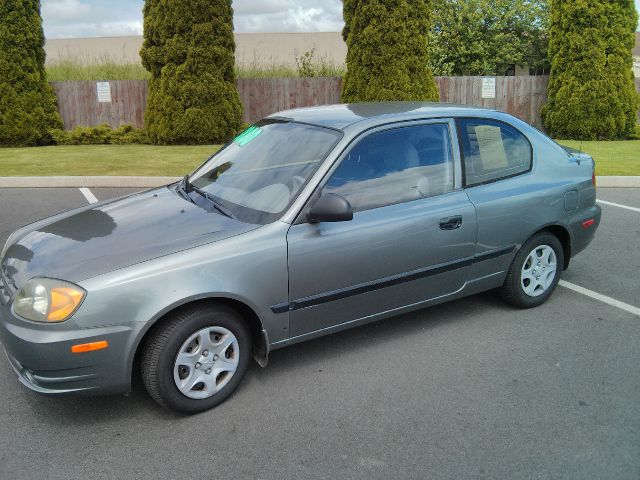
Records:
x=492, y=150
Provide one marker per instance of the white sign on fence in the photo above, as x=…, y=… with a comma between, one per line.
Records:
x=488, y=88
x=104, y=92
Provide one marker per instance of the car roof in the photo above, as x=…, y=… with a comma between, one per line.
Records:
x=341, y=116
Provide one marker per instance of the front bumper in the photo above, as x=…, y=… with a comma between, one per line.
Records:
x=41, y=356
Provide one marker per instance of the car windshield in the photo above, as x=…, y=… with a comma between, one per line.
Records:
x=260, y=173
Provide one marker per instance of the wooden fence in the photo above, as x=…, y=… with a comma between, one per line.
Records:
x=79, y=106
x=519, y=96
x=264, y=96
x=78, y=101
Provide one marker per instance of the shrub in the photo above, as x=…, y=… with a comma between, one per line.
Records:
x=99, y=135
x=388, y=51
x=591, y=89
x=27, y=102
x=127, y=134
x=304, y=64
x=189, y=50
x=308, y=65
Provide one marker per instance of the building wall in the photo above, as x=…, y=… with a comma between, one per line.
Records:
x=252, y=49
x=263, y=49
x=92, y=50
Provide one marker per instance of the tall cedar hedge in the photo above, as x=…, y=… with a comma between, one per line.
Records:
x=591, y=89
x=189, y=50
x=27, y=102
x=388, y=50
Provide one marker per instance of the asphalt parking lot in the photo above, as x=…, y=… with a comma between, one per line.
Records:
x=471, y=389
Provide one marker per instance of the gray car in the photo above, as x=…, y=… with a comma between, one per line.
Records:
x=311, y=221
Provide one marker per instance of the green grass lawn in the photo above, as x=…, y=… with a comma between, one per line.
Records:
x=146, y=160
x=612, y=158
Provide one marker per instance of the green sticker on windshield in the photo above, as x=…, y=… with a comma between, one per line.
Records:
x=248, y=135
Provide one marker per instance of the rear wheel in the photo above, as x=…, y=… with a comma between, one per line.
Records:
x=535, y=272
x=195, y=361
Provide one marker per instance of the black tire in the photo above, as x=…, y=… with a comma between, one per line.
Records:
x=512, y=290
x=162, y=346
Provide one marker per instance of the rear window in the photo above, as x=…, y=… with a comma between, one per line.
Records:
x=492, y=150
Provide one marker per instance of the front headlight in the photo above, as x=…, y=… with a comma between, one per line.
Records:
x=48, y=300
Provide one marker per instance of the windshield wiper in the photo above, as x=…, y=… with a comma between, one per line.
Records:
x=183, y=189
x=190, y=187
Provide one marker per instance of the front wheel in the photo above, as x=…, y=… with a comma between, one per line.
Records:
x=196, y=359
x=535, y=272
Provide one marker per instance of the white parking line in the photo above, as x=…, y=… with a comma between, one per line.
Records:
x=626, y=207
x=602, y=298
x=91, y=198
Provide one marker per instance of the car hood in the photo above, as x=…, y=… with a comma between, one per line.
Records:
x=97, y=239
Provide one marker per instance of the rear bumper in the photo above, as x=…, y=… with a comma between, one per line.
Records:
x=41, y=356
x=581, y=233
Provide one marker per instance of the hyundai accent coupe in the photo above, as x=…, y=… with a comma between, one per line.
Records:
x=311, y=221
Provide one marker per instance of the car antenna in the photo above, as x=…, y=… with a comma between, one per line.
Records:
x=579, y=153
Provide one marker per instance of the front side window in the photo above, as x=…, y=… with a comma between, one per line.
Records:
x=492, y=150
x=259, y=175
x=395, y=166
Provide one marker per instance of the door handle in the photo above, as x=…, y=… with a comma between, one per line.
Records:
x=451, y=223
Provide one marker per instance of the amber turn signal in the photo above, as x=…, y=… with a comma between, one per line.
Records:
x=90, y=347
x=64, y=301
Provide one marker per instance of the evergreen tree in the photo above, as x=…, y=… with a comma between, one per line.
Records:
x=591, y=88
x=189, y=50
x=388, y=51
x=27, y=102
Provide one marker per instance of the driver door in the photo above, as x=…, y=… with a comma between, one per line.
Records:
x=411, y=240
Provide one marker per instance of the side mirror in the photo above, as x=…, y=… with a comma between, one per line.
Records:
x=330, y=208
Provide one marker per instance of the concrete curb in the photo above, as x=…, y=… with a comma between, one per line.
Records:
x=90, y=182
x=150, y=182
x=618, y=182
